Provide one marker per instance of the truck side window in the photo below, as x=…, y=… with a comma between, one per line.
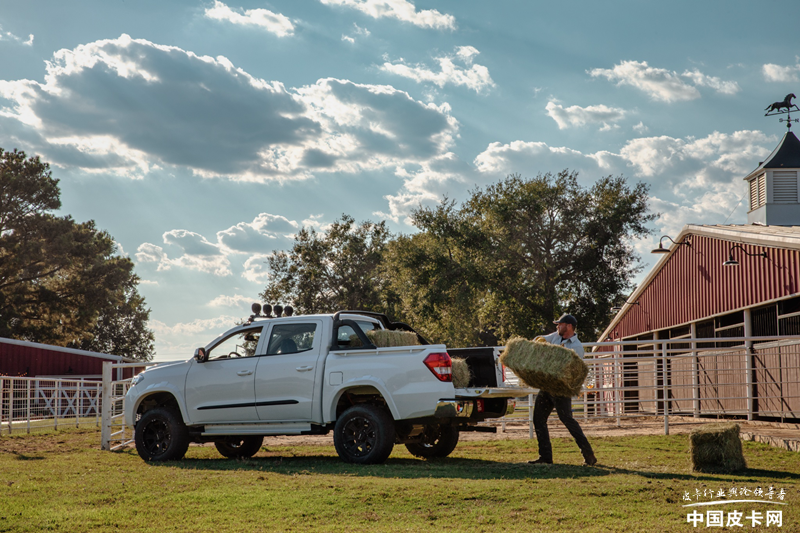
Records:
x=344, y=334
x=240, y=344
x=291, y=338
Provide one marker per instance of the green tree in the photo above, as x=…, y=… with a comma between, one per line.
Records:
x=56, y=275
x=333, y=270
x=519, y=253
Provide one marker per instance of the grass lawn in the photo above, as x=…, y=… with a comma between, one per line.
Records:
x=62, y=481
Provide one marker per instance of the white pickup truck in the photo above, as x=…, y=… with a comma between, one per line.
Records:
x=302, y=375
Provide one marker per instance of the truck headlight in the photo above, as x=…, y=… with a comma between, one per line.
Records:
x=137, y=379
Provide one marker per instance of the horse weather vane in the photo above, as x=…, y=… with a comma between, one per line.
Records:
x=778, y=107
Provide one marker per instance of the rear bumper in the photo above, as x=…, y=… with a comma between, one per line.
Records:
x=453, y=409
x=494, y=392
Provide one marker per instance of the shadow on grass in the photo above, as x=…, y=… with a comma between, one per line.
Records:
x=453, y=468
x=22, y=457
x=449, y=468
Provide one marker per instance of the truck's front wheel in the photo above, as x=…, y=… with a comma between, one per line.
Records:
x=161, y=435
x=437, y=441
x=364, y=434
x=239, y=447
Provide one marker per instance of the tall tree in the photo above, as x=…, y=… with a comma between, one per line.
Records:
x=56, y=275
x=523, y=251
x=334, y=270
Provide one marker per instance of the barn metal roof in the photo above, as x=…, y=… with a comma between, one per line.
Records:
x=106, y=356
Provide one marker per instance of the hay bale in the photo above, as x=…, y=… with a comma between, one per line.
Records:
x=549, y=367
x=384, y=338
x=461, y=373
x=716, y=448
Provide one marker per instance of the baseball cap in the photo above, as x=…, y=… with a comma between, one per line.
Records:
x=567, y=319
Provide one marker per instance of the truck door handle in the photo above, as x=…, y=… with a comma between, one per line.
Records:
x=244, y=372
x=304, y=368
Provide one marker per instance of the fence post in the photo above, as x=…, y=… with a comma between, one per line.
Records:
x=618, y=394
x=105, y=428
x=748, y=362
x=695, y=372
x=28, y=406
x=664, y=386
x=57, y=404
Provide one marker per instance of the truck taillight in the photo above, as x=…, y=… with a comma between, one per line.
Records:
x=441, y=365
x=503, y=372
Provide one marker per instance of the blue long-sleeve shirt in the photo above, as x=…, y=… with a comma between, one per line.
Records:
x=572, y=343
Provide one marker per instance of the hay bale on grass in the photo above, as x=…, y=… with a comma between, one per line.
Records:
x=461, y=373
x=716, y=448
x=545, y=366
x=384, y=338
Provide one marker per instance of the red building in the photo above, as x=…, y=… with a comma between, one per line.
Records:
x=29, y=359
x=732, y=281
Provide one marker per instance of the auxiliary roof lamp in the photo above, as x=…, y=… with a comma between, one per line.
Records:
x=733, y=262
x=662, y=250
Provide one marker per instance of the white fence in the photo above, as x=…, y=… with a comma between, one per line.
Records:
x=114, y=434
x=32, y=403
x=742, y=377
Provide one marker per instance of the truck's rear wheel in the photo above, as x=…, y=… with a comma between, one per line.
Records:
x=364, y=434
x=239, y=447
x=161, y=435
x=437, y=441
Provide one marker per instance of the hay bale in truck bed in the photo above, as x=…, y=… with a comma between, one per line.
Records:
x=384, y=338
x=716, y=448
x=461, y=373
x=549, y=367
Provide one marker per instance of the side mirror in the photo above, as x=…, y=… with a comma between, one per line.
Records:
x=200, y=355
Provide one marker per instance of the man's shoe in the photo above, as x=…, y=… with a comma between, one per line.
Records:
x=541, y=461
x=590, y=460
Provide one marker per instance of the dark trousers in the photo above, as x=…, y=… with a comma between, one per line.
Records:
x=542, y=408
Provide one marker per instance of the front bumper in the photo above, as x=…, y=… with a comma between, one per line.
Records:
x=453, y=409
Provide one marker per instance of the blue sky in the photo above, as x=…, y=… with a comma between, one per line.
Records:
x=203, y=135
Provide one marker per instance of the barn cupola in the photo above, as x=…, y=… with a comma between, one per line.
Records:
x=773, y=186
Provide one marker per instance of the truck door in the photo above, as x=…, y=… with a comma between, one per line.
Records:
x=285, y=376
x=222, y=388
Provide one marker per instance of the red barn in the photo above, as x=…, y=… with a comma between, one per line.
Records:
x=732, y=281
x=30, y=359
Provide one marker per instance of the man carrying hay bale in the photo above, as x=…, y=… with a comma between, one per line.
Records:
x=545, y=402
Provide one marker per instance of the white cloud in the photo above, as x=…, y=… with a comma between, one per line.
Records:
x=700, y=79
x=579, y=116
x=194, y=327
x=237, y=300
x=658, y=83
x=197, y=253
x=255, y=269
x=265, y=232
x=130, y=106
x=275, y=23
x=697, y=163
x=640, y=128
x=401, y=10
x=8, y=36
x=358, y=31
x=476, y=77
x=781, y=74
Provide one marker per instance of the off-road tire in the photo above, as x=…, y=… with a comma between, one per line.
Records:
x=161, y=435
x=437, y=441
x=364, y=434
x=239, y=447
